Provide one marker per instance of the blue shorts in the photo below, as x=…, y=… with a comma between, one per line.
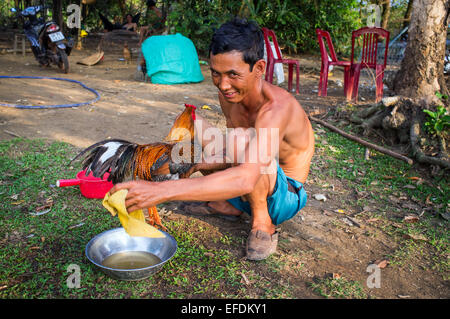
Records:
x=284, y=203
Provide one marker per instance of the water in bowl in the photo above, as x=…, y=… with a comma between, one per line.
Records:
x=131, y=260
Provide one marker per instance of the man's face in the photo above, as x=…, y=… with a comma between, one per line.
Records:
x=232, y=75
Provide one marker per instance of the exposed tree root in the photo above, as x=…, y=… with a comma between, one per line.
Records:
x=400, y=121
x=418, y=154
x=367, y=144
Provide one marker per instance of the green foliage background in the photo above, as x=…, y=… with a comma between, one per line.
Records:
x=294, y=21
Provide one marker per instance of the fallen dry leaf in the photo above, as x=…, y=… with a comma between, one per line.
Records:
x=327, y=212
x=411, y=219
x=415, y=237
x=411, y=206
x=48, y=205
x=18, y=202
x=382, y=263
x=371, y=220
x=247, y=282
x=336, y=276
x=332, y=148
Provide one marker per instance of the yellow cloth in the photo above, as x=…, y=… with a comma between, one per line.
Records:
x=134, y=222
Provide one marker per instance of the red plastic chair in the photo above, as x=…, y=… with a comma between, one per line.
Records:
x=370, y=37
x=271, y=60
x=326, y=63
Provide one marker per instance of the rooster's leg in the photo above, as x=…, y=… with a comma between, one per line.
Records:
x=154, y=218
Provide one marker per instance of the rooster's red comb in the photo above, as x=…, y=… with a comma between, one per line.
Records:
x=193, y=110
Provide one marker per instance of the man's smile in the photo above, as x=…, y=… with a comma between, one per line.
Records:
x=229, y=94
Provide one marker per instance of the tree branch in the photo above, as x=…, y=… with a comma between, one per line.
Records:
x=360, y=141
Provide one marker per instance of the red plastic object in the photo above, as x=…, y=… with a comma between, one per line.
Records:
x=271, y=60
x=370, y=36
x=90, y=186
x=326, y=63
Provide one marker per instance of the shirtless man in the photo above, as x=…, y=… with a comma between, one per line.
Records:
x=247, y=101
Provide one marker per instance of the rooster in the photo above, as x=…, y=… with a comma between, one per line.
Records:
x=126, y=53
x=126, y=160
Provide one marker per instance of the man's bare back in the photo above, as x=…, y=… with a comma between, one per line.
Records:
x=297, y=145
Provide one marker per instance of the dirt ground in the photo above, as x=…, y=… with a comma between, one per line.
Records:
x=144, y=112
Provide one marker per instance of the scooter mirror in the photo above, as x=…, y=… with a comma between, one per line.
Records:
x=13, y=10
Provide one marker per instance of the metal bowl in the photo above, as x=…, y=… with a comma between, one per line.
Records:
x=117, y=240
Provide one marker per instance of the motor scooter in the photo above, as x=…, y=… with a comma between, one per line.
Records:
x=48, y=43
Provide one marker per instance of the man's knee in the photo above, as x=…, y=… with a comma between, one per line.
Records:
x=264, y=188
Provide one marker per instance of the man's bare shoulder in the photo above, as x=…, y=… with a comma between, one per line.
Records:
x=279, y=101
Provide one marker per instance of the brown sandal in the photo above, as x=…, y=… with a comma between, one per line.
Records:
x=261, y=245
x=202, y=209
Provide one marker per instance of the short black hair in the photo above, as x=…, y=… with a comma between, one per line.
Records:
x=151, y=3
x=239, y=35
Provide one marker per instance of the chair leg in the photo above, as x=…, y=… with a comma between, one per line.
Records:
x=297, y=78
x=347, y=83
x=272, y=66
x=355, y=80
x=290, y=67
x=319, y=93
x=267, y=71
x=379, y=83
x=325, y=79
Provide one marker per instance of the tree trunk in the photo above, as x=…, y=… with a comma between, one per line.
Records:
x=407, y=16
x=422, y=69
x=386, y=14
x=57, y=13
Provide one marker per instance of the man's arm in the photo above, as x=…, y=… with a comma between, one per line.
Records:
x=232, y=182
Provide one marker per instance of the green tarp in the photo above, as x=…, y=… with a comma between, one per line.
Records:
x=171, y=59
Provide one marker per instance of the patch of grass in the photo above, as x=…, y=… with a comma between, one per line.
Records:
x=381, y=174
x=35, y=251
x=382, y=179
x=339, y=288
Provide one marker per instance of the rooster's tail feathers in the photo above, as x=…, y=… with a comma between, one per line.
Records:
x=108, y=155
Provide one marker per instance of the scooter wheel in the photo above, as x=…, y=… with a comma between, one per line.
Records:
x=64, y=61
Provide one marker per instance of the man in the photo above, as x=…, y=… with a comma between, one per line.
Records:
x=247, y=101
